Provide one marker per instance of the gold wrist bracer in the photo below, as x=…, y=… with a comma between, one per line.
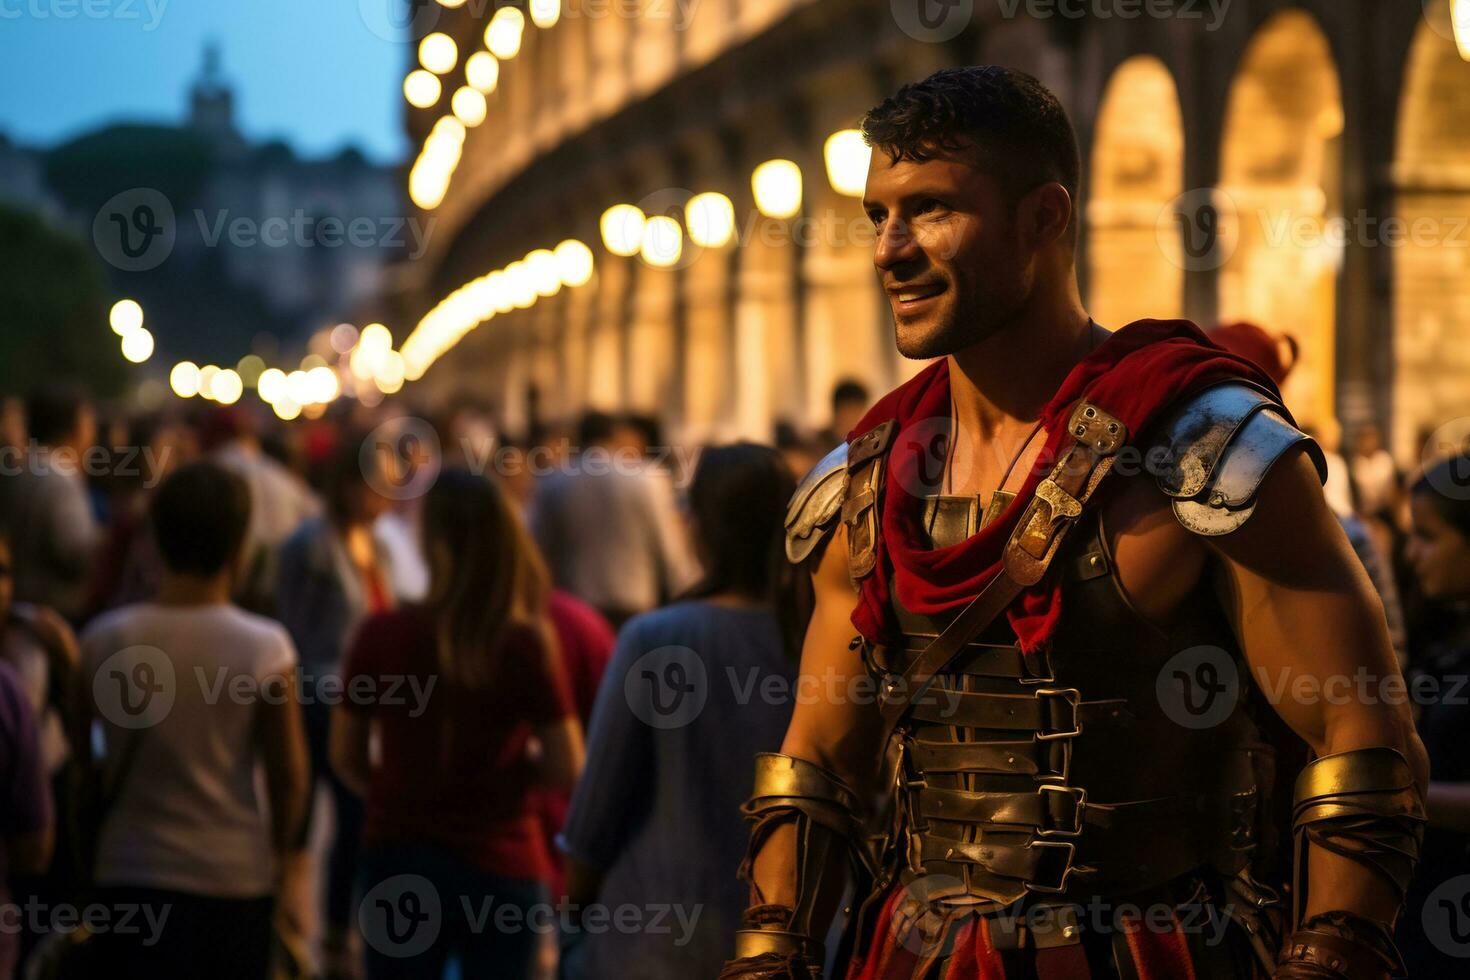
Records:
x=1363, y=805
x=825, y=813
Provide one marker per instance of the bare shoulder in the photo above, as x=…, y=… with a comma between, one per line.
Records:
x=1218, y=477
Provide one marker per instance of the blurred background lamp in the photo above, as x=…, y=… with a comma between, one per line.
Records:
x=573, y=262
x=622, y=229
x=125, y=316
x=184, y=379
x=422, y=88
x=545, y=13
x=663, y=241
x=777, y=187
x=271, y=384
x=137, y=345
x=482, y=71
x=469, y=106
x=711, y=219
x=541, y=266
x=503, y=36
x=438, y=53
x=847, y=157
x=226, y=387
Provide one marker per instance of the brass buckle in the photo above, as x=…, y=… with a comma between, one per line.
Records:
x=1061, y=885
x=1074, y=698
x=1061, y=504
x=1079, y=799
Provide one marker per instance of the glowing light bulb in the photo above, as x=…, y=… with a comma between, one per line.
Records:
x=137, y=345
x=622, y=229
x=847, y=157
x=573, y=262
x=422, y=88
x=125, y=316
x=482, y=71
x=184, y=379
x=710, y=218
x=438, y=53
x=777, y=187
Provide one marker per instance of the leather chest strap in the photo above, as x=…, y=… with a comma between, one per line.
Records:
x=1053, y=510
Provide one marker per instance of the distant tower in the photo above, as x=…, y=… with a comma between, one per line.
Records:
x=212, y=104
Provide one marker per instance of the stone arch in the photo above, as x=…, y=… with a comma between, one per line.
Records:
x=1431, y=264
x=1281, y=166
x=1134, y=261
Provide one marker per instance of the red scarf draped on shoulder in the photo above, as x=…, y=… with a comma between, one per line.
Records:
x=1136, y=375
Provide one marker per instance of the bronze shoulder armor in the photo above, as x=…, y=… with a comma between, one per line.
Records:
x=1218, y=447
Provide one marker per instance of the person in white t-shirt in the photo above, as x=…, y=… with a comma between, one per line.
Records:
x=202, y=774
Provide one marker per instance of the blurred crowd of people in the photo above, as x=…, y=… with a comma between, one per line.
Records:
x=286, y=691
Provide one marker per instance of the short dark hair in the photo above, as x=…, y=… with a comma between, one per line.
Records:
x=1020, y=130
x=199, y=515
x=595, y=427
x=53, y=412
x=1454, y=510
x=849, y=390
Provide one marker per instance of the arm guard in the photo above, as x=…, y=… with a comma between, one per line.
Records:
x=1365, y=806
x=1216, y=451
x=824, y=811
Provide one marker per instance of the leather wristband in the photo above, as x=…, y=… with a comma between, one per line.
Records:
x=1339, y=946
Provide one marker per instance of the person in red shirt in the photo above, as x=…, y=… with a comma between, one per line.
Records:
x=586, y=639
x=466, y=705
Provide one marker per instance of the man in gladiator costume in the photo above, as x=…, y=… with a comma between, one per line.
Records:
x=1087, y=725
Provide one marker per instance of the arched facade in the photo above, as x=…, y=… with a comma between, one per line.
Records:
x=603, y=109
x=1280, y=175
x=1135, y=262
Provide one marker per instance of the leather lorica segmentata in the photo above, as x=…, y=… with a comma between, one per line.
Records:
x=1087, y=770
x=1124, y=756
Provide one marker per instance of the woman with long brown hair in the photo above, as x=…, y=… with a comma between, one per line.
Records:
x=463, y=702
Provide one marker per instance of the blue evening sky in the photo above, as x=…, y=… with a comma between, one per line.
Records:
x=317, y=73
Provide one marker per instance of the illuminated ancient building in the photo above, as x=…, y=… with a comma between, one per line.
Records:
x=1305, y=165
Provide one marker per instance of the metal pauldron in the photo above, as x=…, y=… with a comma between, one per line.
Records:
x=825, y=813
x=1365, y=806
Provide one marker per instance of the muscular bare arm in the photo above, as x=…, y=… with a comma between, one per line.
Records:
x=838, y=732
x=1311, y=627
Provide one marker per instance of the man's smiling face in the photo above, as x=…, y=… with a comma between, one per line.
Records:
x=947, y=253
